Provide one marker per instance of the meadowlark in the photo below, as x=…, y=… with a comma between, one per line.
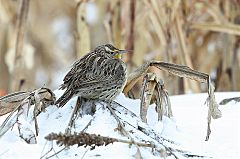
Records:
x=101, y=74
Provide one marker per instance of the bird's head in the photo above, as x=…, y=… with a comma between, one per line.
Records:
x=113, y=51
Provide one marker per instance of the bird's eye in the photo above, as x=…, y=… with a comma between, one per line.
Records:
x=108, y=49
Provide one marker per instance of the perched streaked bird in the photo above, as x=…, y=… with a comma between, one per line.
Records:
x=101, y=74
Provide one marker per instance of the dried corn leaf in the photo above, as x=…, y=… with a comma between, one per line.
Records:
x=227, y=100
x=213, y=110
x=226, y=28
x=9, y=102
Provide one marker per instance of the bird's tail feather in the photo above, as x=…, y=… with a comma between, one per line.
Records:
x=67, y=95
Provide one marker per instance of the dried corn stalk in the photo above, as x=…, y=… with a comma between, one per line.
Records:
x=181, y=71
x=83, y=42
x=149, y=83
x=18, y=75
x=19, y=105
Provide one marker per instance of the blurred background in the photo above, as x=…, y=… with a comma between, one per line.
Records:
x=40, y=39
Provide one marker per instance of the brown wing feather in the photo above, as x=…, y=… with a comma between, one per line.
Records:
x=93, y=71
x=76, y=69
x=101, y=69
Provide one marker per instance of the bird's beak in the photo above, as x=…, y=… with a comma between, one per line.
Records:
x=118, y=53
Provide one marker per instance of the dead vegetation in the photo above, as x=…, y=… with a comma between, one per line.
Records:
x=47, y=35
x=37, y=38
x=93, y=140
x=19, y=105
x=132, y=130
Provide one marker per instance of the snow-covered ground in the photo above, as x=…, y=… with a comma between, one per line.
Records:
x=187, y=128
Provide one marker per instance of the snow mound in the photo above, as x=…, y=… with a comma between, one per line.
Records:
x=182, y=135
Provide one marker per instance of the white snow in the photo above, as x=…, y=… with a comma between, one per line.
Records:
x=187, y=128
